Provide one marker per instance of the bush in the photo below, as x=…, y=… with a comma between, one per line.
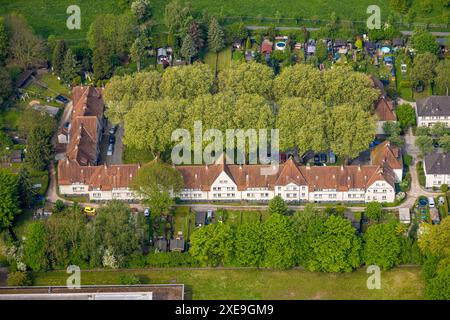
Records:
x=444, y=188
x=407, y=160
x=410, y=252
x=421, y=174
x=19, y=279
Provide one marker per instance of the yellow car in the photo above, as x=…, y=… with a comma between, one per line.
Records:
x=89, y=211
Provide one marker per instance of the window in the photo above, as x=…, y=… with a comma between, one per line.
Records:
x=97, y=195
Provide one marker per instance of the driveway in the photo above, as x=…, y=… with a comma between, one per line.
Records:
x=116, y=158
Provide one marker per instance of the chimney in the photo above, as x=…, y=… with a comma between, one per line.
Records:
x=195, y=176
x=359, y=167
x=342, y=167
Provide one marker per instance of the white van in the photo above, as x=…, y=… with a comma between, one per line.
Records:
x=431, y=202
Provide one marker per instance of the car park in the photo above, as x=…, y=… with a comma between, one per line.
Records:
x=431, y=202
x=113, y=130
x=110, y=150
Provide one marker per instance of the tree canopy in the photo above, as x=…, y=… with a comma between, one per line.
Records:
x=156, y=182
x=382, y=245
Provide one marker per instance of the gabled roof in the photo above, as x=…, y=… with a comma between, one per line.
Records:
x=290, y=173
x=385, y=153
x=107, y=178
x=83, y=141
x=384, y=109
x=87, y=101
x=266, y=46
x=437, y=163
x=434, y=106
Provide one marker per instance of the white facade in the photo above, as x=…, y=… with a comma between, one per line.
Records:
x=379, y=191
x=432, y=120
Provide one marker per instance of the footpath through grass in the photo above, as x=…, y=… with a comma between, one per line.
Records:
x=399, y=283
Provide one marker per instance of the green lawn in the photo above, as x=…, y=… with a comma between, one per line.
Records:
x=184, y=221
x=49, y=17
x=399, y=283
x=223, y=60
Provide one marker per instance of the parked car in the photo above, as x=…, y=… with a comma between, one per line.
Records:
x=89, y=211
x=316, y=158
x=146, y=212
x=431, y=202
x=441, y=200
x=110, y=150
x=423, y=202
x=323, y=158
x=113, y=130
x=112, y=139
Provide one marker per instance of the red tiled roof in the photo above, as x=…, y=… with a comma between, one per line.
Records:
x=385, y=153
x=384, y=109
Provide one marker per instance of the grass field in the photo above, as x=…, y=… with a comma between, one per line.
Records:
x=223, y=60
x=49, y=17
x=399, y=283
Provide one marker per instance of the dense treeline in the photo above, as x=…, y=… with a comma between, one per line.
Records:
x=308, y=106
x=319, y=240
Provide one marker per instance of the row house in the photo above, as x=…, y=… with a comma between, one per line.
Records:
x=432, y=110
x=437, y=169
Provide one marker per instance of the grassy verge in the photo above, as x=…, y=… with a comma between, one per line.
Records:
x=222, y=62
x=399, y=283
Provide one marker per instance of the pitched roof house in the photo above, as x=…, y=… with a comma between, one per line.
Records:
x=437, y=169
x=432, y=110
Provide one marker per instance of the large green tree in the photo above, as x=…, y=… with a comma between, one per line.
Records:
x=350, y=130
x=215, y=36
x=212, y=245
x=300, y=80
x=253, y=78
x=382, y=246
x=423, y=41
x=424, y=68
x=121, y=94
x=9, y=199
x=406, y=116
x=149, y=125
x=156, y=183
x=35, y=247
x=59, y=53
x=279, y=242
x=303, y=124
x=330, y=245
x=278, y=205
x=70, y=67
x=249, y=245
x=121, y=232
x=39, y=148
x=25, y=48
x=188, y=48
x=187, y=81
